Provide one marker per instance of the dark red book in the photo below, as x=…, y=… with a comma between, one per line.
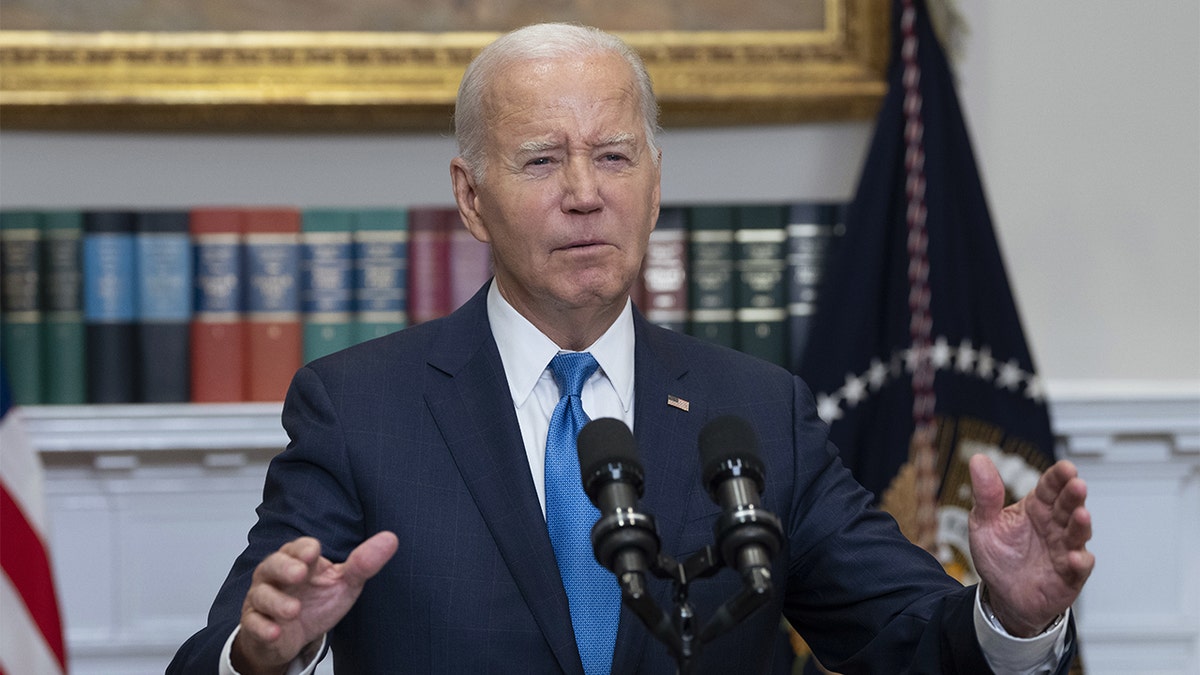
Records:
x=218, y=342
x=430, y=230
x=274, y=330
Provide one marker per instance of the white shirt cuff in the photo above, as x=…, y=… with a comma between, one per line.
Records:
x=304, y=664
x=1007, y=654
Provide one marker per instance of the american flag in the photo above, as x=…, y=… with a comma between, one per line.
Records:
x=31, y=634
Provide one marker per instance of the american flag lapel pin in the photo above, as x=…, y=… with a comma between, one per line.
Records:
x=676, y=402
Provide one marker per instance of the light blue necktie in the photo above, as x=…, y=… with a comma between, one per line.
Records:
x=592, y=591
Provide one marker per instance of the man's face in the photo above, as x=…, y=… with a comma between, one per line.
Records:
x=570, y=190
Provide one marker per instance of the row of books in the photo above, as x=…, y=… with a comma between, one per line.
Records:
x=214, y=304
x=744, y=276
x=224, y=304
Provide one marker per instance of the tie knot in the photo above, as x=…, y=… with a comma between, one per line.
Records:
x=571, y=370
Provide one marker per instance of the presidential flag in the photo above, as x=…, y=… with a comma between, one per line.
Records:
x=917, y=357
x=31, y=635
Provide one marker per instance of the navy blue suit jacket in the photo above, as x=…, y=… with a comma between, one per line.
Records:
x=415, y=433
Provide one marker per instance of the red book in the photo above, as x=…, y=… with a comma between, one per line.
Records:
x=430, y=230
x=470, y=262
x=218, y=354
x=274, y=331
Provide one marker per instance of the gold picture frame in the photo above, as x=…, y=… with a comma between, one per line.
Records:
x=355, y=81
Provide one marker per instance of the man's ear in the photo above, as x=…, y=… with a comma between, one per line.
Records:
x=467, y=198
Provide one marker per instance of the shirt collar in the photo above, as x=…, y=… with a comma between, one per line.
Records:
x=525, y=351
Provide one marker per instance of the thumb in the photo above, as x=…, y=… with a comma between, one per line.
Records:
x=988, y=488
x=369, y=557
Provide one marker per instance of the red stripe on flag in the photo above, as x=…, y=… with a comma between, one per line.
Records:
x=23, y=558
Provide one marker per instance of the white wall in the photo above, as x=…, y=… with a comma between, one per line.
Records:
x=1085, y=120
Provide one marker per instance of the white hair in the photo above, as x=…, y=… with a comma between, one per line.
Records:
x=539, y=41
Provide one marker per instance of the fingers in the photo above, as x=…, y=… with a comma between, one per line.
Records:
x=1054, y=480
x=292, y=564
x=267, y=603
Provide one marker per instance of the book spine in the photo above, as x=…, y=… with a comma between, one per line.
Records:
x=327, y=281
x=470, y=261
x=428, y=264
x=218, y=347
x=380, y=272
x=273, y=325
x=21, y=304
x=812, y=229
x=110, y=305
x=64, y=342
x=710, y=284
x=164, y=293
x=664, y=278
x=760, y=288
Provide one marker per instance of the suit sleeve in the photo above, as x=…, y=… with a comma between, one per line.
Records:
x=309, y=491
x=864, y=598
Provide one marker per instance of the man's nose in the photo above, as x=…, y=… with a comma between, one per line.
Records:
x=581, y=192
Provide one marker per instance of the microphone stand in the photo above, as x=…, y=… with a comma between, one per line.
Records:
x=678, y=630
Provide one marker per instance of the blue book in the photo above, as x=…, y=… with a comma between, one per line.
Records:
x=110, y=306
x=327, y=280
x=164, y=309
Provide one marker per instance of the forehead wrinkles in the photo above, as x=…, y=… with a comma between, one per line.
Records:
x=530, y=94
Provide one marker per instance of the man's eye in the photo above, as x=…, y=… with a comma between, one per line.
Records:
x=538, y=161
x=613, y=157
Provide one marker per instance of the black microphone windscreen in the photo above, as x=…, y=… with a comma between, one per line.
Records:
x=728, y=437
x=603, y=441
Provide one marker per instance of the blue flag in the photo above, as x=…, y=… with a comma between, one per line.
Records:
x=916, y=355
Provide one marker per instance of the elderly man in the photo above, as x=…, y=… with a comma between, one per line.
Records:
x=426, y=515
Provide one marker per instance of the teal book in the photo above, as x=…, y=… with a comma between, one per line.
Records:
x=164, y=281
x=21, y=303
x=760, y=289
x=710, y=279
x=327, y=280
x=380, y=272
x=110, y=306
x=64, y=344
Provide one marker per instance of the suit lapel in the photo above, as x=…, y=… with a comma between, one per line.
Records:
x=470, y=402
x=663, y=432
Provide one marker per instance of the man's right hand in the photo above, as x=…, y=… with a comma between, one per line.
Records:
x=297, y=596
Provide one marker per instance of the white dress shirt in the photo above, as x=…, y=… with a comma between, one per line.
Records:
x=526, y=353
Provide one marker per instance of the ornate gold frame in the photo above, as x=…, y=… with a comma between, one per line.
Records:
x=323, y=81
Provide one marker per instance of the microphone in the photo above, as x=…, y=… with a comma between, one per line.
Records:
x=623, y=539
x=747, y=536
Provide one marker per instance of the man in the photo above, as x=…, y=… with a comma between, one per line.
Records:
x=431, y=445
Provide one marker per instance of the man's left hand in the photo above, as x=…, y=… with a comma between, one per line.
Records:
x=1031, y=556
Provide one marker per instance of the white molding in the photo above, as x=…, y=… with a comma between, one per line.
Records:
x=153, y=427
x=1088, y=416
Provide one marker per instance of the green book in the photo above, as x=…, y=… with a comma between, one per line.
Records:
x=710, y=280
x=326, y=281
x=380, y=272
x=64, y=345
x=21, y=303
x=760, y=286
